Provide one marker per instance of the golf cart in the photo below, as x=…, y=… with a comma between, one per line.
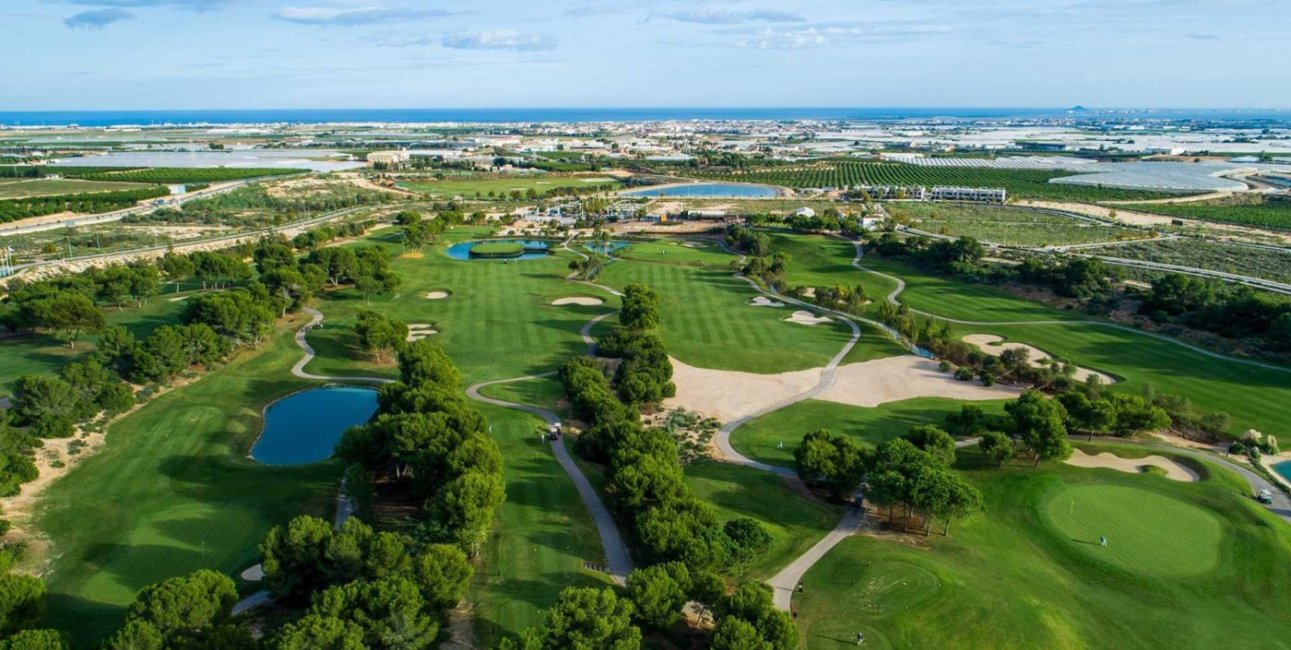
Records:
x=1265, y=497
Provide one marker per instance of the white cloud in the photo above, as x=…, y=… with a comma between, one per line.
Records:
x=97, y=18
x=499, y=39
x=354, y=15
x=828, y=35
x=728, y=17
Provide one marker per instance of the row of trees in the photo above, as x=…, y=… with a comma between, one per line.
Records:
x=428, y=440
x=644, y=375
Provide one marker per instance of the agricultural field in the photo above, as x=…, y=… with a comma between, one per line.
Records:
x=80, y=203
x=1257, y=261
x=176, y=175
x=1028, y=570
x=1253, y=210
x=1020, y=183
x=493, y=186
x=21, y=188
x=1008, y=226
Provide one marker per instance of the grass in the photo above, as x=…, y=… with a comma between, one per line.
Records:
x=546, y=392
x=955, y=299
x=22, y=188
x=708, y=321
x=1243, y=210
x=760, y=439
x=172, y=492
x=541, y=536
x=1009, y=577
x=470, y=186
x=1268, y=263
x=43, y=353
x=794, y=521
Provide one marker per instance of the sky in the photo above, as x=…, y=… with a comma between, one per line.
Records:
x=190, y=54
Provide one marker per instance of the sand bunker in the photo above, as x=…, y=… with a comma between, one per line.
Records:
x=419, y=331
x=803, y=317
x=994, y=345
x=1174, y=470
x=436, y=295
x=893, y=379
x=728, y=395
x=763, y=301
x=585, y=301
x=253, y=574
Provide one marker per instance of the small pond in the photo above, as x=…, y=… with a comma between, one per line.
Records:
x=606, y=248
x=532, y=249
x=708, y=190
x=1283, y=469
x=304, y=427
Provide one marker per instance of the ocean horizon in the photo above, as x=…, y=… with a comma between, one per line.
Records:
x=107, y=118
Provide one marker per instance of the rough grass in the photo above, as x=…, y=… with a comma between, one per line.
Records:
x=1007, y=578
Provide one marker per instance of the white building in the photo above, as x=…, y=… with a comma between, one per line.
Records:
x=804, y=212
x=388, y=159
x=975, y=194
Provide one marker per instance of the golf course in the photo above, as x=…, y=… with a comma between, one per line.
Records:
x=173, y=489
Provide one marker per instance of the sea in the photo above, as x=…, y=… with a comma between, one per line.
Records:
x=570, y=115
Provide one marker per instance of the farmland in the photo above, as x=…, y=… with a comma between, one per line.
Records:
x=494, y=186
x=1262, y=262
x=82, y=203
x=1022, y=183
x=1246, y=211
x=174, y=175
x=1008, y=226
x=21, y=189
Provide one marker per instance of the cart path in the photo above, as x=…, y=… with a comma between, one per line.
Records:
x=617, y=557
x=784, y=582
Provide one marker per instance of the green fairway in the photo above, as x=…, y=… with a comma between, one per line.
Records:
x=541, y=537
x=794, y=521
x=708, y=321
x=761, y=439
x=470, y=186
x=954, y=299
x=172, y=492
x=1148, y=533
x=546, y=392
x=1007, y=578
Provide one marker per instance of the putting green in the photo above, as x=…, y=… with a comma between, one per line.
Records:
x=887, y=588
x=1147, y=533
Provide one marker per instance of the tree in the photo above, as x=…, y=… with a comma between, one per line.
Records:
x=997, y=447
x=424, y=362
x=658, y=593
x=136, y=635
x=738, y=634
x=379, y=334
x=443, y=575
x=295, y=558
x=46, y=404
x=1041, y=423
x=640, y=308
x=830, y=460
x=177, y=268
x=22, y=601
x=186, y=604
x=586, y=618
x=319, y=632
x=35, y=640
x=391, y=612
x=71, y=315
x=936, y=442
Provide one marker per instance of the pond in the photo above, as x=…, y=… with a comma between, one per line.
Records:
x=304, y=427
x=708, y=190
x=532, y=249
x=1283, y=469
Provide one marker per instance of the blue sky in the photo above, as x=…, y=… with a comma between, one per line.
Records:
x=167, y=54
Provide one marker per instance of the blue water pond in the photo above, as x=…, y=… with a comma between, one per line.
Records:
x=462, y=250
x=304, y=427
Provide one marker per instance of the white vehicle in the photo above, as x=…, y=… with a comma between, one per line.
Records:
x=1264, y=497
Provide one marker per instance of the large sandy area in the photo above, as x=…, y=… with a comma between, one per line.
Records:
x=729, y=395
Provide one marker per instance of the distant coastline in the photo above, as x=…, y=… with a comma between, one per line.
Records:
x=573, y=115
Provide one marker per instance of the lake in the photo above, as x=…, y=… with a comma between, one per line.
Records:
x=304, y=427
x=708, y=190
x=462, y=250
x=1283, y=469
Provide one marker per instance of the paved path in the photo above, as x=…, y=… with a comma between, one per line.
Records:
x=617, y=557
x=784, y=583
x=299, y=369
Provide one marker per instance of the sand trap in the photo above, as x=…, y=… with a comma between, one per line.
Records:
x=893, y=379
x=180, y=298
x=803, y=317
x=763, y=301
x=1174, y=470
x=419, y=331
x=994, y=345
x=436, y=295
x=585, y=301
x=728, y=395
x=253, y=574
